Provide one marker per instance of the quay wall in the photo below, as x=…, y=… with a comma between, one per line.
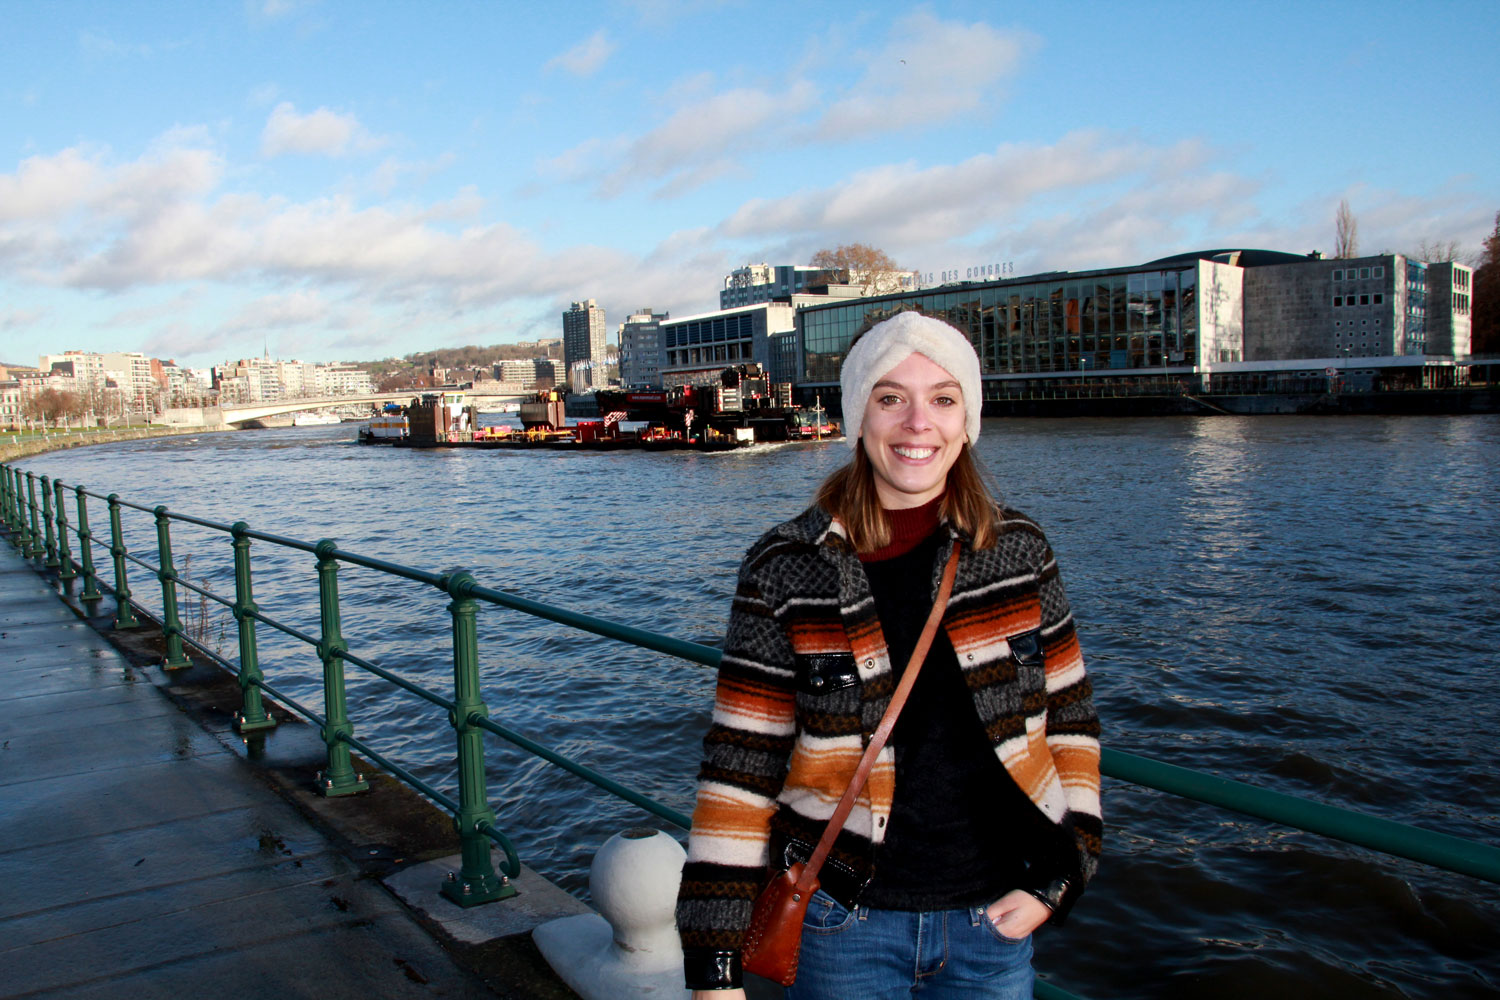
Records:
x=1404, y=402
x=14, y=446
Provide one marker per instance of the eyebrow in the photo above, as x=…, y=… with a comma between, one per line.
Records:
x=890, y=383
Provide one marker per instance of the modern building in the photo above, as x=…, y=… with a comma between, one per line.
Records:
x=698, y=348
x=640, y=347
x=584, y=376
x=584, y=334
x=12, y=415
x=1195, y=321
x=131, y=371
x=533, y=373
x=341, y=378
x=1382, y=306
x=85, y=369
x=755, y=283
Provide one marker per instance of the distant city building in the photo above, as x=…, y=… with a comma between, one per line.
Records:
x=261, y=380
x=1250, y=318
x=131, y=372
x=342, y=378
x=584, y=334
x=586, y=375
x=640, y=347
x=697, y=348
x=765, y=282
x=545, y=348
x=11, y=402
x=85, y=367
x=755, y=283
x=535, y=373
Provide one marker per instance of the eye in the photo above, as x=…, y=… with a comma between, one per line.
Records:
x=889, y=399
x=945, y=401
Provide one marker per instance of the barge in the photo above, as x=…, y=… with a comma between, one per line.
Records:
x=743, y=408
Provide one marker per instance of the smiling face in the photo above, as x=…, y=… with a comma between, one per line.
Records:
x=913, y=432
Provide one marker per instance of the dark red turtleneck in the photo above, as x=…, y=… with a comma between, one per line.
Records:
x=910, y=526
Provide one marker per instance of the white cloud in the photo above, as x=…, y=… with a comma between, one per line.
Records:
x=585, y=58
x=97, y=43
x=699, y=141
x=263, y=95
x=928, y=72
x=21, y=319
x=295, y=310
x=907, y=203
x=393, y=173
x=340, y=273
x=322, y=132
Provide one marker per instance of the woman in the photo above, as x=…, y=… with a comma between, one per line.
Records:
x=980, y=820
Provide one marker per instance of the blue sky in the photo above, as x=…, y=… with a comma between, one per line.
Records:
x=356, y=180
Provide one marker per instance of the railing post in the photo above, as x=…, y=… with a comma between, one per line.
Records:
x=51, y=541
x=124, y=614
x=252, y=714
x=34, y=537
x=476, y=881
x=65, y=571
x=171, y=624
x=10, y=510
x=339, y=777
x=90, y=596
x=10, y=523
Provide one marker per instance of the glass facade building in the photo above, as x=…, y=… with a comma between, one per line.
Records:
x=695, y=349
x=1088, y=323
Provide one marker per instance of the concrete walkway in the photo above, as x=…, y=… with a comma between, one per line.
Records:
x=142, y=857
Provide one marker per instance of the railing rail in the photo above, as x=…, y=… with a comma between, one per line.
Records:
x=41, y=530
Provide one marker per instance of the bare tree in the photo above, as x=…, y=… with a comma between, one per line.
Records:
x=52, y=406
x=1485, y=332
x=1346, y=230
x=860, y=264
x=1439, y=252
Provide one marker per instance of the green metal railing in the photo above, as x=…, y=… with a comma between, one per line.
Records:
x=41, y=530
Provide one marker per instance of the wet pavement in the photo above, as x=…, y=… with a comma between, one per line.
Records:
x=141, y=856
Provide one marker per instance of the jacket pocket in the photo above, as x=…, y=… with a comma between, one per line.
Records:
x=824, y=673
x=1026, y=648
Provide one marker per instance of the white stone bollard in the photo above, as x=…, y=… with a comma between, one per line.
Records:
x=632, y=949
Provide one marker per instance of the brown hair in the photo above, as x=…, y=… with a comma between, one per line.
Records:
x=849, y=495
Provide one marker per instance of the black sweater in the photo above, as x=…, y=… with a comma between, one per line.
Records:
x=961, y=831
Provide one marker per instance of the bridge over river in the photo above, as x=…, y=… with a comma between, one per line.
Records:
x=487, y=394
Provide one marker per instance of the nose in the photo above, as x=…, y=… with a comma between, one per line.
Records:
x=917, y=417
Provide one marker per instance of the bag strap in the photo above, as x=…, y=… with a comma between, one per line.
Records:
x=807, y=881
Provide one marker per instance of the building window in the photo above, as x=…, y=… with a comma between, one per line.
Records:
x=1364, y=300
x=1364, y=272
x=1338, y=300
x=1379, y=298
x=1380, y=272
x=1338, y=275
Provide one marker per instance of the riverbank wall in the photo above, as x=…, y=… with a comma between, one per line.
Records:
x=1404, y=402
x=14, y=446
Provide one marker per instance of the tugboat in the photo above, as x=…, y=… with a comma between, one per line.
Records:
x=388, y=427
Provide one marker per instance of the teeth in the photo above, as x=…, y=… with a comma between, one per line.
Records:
x=915, y=453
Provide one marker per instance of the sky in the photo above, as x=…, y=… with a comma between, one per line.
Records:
x=329, y=180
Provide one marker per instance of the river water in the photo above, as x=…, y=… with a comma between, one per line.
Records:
x=1309, y=604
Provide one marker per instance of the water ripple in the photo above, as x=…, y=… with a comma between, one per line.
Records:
x=1305, y=604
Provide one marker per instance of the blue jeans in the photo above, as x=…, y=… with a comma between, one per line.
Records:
x=867, y=954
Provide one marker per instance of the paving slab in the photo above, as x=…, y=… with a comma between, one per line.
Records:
x=144, y=855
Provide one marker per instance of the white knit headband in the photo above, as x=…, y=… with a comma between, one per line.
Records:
x=890, y=342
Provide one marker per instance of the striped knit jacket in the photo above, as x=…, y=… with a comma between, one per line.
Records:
x=804, y=680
